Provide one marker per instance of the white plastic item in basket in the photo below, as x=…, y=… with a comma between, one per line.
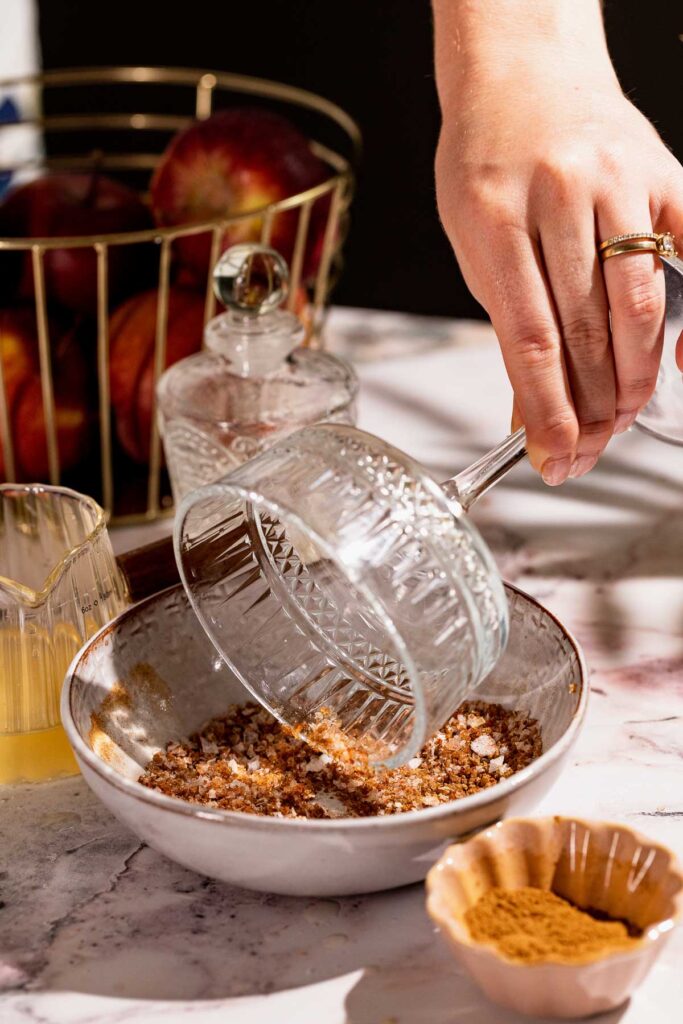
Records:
x=19, y=55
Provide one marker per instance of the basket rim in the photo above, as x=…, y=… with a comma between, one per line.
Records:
x=159, y=233
x=200, y=78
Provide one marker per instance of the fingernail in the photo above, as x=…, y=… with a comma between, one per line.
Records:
x=623, y=421
x=556, y=471
x=582, y=464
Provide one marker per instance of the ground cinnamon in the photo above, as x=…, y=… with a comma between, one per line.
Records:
x=533, y=925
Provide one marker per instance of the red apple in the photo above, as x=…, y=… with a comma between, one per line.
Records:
x=72, y=204
x=234, y=162
x=21, y=369
x=132, y=335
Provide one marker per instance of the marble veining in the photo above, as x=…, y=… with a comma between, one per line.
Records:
x=96, y=928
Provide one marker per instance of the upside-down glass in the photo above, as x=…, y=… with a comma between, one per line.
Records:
x=59, y=583
x=333, y=572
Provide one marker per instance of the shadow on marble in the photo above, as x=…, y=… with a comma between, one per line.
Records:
x=649, y=545
x=404, y=401
x=597, y=488
x=165, y=933
x=387, y=335
x=159, y=932
x=618, y=486
x=464, y=441
x=638, y=536
x=412, y=996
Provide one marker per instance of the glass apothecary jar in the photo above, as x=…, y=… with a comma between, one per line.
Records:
x=253, y=384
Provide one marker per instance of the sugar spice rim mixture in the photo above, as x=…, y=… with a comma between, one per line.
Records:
x=248, y=761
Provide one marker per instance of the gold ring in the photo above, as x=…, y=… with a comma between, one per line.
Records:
x=638, y=241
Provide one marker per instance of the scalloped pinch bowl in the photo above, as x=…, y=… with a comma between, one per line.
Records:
x=152, y=675
x=597, y=865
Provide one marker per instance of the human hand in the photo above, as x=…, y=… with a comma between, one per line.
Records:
x=539, y=159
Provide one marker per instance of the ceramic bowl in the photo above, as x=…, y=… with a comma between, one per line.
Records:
x=152, y=675
x=593, y=864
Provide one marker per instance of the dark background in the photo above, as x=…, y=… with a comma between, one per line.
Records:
x=374, y=58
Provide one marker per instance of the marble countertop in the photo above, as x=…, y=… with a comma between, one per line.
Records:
x=95, y=927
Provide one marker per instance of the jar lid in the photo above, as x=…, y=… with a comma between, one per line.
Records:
x=251, y=279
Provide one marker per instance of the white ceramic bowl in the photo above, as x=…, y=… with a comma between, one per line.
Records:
x=152, y=675
x=594, y=864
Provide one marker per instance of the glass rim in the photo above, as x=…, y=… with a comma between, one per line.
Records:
x=660, y=433
x=28, y=595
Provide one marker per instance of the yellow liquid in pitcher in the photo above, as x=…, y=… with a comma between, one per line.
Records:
x=35, y=756
x=33, y=663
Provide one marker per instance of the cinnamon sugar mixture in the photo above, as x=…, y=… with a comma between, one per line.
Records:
x=247, y=761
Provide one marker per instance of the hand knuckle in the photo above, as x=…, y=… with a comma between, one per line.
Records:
x=642, y=306
x=483, y=198
x=640, y=301
x=611, y=161
x=495, y=213
x=470, y=203
x=535, y=345
x=557, y=180
x=586, y=335
x=638, y=389
x=560, y=432
x=595, y=432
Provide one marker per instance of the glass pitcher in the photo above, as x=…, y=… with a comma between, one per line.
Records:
x=59, y=583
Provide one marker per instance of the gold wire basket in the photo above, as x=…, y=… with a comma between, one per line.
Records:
x=124, y=92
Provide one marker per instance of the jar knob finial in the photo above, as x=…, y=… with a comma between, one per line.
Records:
x=251, y=279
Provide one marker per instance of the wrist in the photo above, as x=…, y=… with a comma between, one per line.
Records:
x=478, y=45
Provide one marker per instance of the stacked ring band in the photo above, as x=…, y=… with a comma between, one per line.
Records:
x=663, y=244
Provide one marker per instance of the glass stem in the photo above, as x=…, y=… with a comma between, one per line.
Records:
x=474, y=481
